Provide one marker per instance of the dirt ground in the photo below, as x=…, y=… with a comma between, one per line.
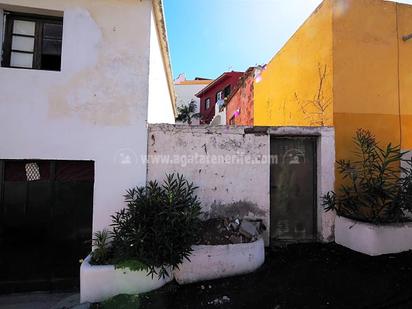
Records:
x=302, y=276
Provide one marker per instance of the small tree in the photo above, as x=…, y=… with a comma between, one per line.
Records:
x=376, y=187
x=187, y=113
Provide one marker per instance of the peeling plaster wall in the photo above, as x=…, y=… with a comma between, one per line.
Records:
x=215, y=159
x=96, y=107
x=222, y=186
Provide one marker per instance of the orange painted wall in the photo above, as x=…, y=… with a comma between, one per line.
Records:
x=291, y=80
x=242, y=101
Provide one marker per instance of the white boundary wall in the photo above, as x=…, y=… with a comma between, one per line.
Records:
x=215, y=159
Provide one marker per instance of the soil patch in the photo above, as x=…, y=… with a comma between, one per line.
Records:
x=301, y=276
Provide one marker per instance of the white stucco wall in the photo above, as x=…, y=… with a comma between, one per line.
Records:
x=96, y=107
x=231, y=167
x=160, y=103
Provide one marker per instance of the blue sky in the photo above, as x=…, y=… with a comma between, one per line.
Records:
x=208, y=37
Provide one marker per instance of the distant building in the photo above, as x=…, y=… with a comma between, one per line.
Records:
x=240, y=104
x=212, y=97
x=186, y=92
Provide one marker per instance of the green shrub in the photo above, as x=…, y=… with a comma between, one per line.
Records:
x=376, y=187
x=158, y=226
x=101, y=254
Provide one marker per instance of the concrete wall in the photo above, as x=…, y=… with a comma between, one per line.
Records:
x=96, y=107
x=289, y=86
x=232, y=167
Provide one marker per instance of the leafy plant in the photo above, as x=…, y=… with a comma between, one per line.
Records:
x=376, y=187
x=102, y=250
x=187, y=113
x=158, y=226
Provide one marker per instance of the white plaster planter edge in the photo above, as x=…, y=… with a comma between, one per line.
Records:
x=209, y=262
x=100, y=282
x=373, y=239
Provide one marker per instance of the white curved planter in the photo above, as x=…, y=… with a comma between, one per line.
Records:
x=100, y=282
x=213, y=262
x=373, y=239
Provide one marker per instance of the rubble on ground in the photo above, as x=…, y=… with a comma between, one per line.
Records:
x=222, y=231
x=219, y=301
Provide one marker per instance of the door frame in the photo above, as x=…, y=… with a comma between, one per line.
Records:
x=325, y=173
x=315, y=141
x=51, y=282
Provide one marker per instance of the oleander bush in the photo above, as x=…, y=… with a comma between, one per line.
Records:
x=157, y=228
x=377, y=186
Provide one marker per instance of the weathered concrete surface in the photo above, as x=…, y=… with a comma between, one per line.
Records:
x=231, y=167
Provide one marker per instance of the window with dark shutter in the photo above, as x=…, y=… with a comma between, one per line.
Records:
x=32, y=42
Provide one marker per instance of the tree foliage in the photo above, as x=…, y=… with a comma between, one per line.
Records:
x=187, y=113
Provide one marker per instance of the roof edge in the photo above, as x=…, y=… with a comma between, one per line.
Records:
x=158, y=12
x=222, y=76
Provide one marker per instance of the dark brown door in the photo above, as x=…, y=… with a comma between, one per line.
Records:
x=293, y=189
x=45, y=221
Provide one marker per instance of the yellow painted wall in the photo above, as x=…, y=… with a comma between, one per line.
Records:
x=365, y=63
x=294, y=71
x=405, y=73
x=369, y=73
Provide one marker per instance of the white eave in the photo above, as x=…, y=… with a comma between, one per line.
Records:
x=162, y=35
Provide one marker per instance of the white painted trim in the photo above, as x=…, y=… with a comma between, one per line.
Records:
x=31, y=10
x=325, y=148
x=373, y=239
x=100, y=282
x=213, y=262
